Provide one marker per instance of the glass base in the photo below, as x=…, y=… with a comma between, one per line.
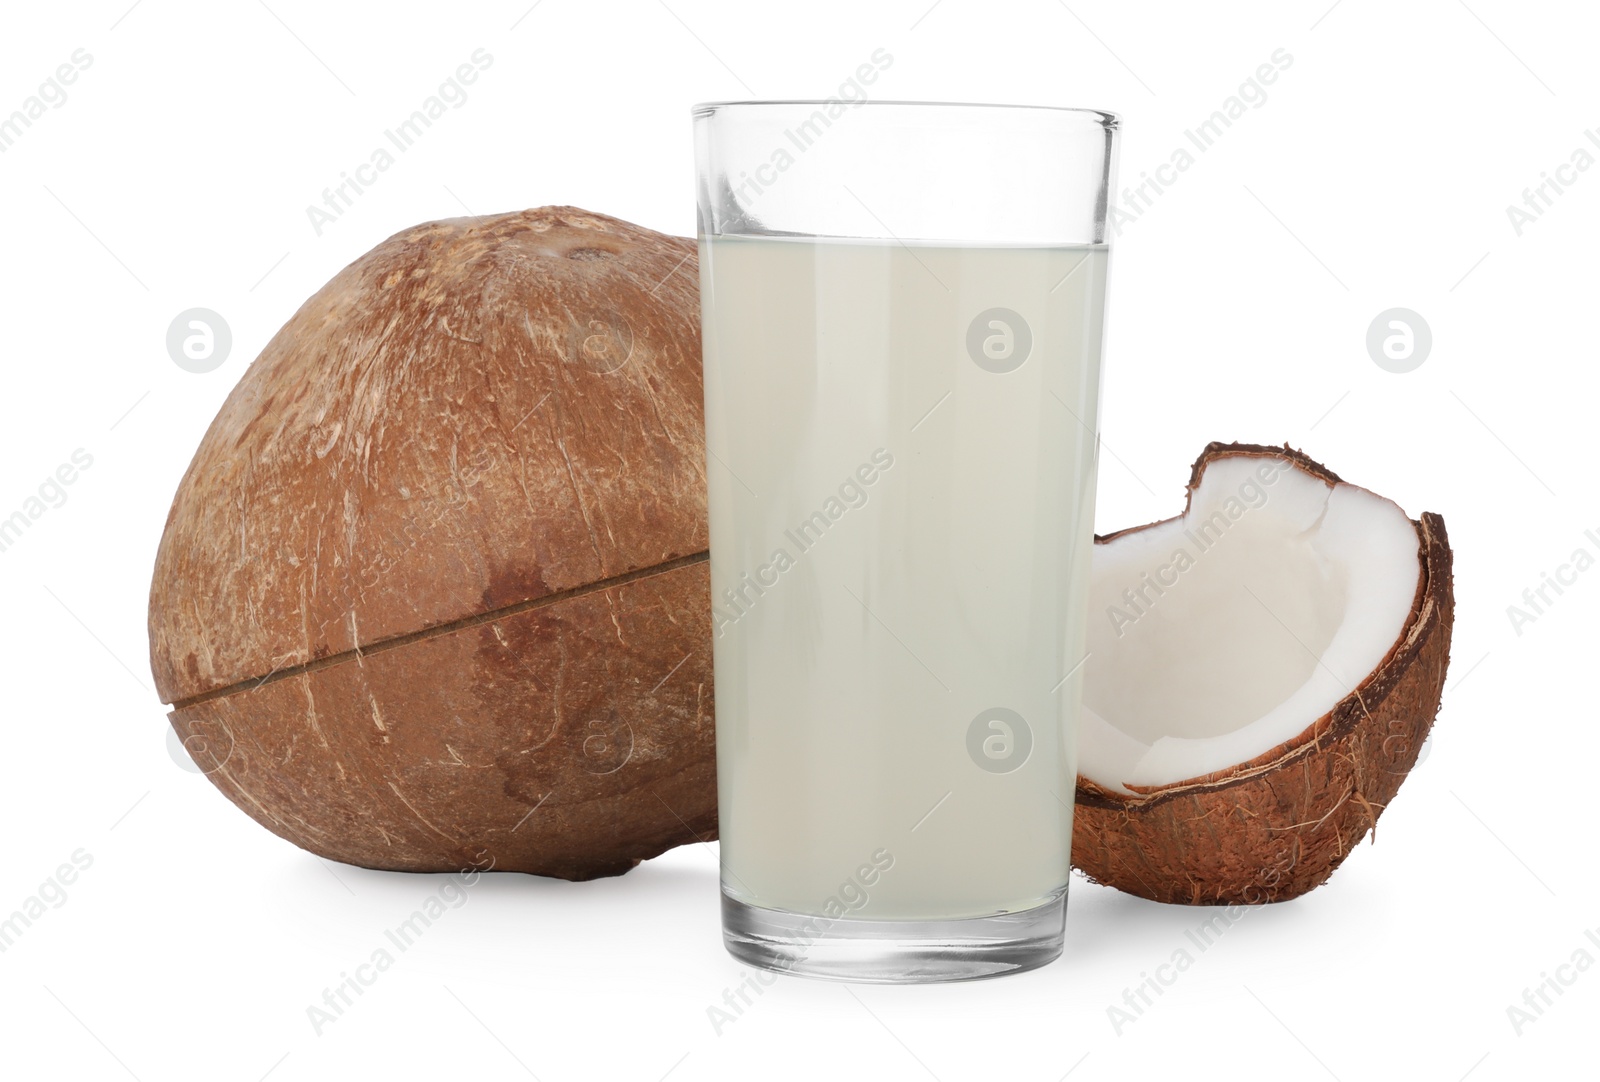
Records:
x=894, y=951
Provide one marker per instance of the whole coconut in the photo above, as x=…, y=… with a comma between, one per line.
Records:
x=433, y=592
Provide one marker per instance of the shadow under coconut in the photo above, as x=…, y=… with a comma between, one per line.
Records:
x=507, y=929
x=1103, y=922
x=657, y=884
x=683, y=894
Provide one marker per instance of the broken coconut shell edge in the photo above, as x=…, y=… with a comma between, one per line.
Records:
x=1277, y=826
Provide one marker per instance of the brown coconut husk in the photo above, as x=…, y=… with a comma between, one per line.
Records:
x=433, y=593
x=1277, y=826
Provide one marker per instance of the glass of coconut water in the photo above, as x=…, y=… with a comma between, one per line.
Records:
x=903, y=308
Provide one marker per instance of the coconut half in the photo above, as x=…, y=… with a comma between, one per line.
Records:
x=1262, y=672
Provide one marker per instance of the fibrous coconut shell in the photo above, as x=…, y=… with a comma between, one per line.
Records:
x=1275, y=827
x=433, y=592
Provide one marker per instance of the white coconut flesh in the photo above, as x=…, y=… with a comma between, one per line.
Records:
x=1222, y=634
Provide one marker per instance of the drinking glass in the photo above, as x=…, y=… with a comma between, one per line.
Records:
x=903, y=308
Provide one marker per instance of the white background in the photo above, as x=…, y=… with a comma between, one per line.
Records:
x=1377, y=174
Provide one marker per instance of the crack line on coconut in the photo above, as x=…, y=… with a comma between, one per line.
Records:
x=363, y=650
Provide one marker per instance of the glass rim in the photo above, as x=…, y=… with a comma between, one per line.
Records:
x=704, y=109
